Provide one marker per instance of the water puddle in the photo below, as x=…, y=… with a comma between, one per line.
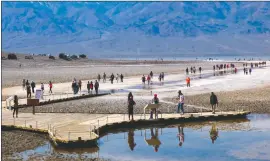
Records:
x=238, y=139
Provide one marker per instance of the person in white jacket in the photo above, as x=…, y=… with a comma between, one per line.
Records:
x=181, y=102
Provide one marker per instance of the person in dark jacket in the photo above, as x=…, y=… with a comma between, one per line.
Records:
x=16, y=108
x=33, y=85
x=213, y=102
x=131, y=103
x=27, y=83
x=80, y=85
x=121, y=77
x=28, y=90
x=151, y=75
x=96, y=87
x=98, y=77
x=112, y=78
x=104, y=77
x=187, y=71
x=91, y=86
x=23, y=84
x=143, y=80
x=130, y=95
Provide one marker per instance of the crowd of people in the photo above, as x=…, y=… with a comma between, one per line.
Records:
x=118, y=78
x=30, y=87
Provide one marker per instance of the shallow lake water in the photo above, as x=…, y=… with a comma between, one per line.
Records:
x=239, y=139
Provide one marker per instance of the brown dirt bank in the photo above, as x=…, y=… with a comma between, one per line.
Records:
x=16, y=141
x=256, y=100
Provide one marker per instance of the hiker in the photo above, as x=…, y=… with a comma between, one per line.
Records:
x=117, y=77
x=148, y=80
x=88, y=87
x=28, y=90
x=213, y=102
x=98, y=77
x=249, y=71
x=104, y=78
x=131, y=103
x=50, y=86
x=181, y=102
x=96, y=87
x=155, y=100
x=143, y=80
x=33, y=85
x=23, y=84
x=112, y=78
x=42, y=87
x=16, y=108
x=122, y=77
x=80, y=85
x=151, y=75
x=188, y=81
x=91, y=86
x=187, y=71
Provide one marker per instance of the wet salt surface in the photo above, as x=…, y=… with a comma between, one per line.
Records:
x=240, y=139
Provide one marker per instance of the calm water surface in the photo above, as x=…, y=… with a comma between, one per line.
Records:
x=241, y=139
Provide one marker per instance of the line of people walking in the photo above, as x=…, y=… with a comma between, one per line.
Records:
x=118, y=78
x=30, y=87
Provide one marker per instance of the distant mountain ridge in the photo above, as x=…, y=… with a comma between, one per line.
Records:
x=102, y=26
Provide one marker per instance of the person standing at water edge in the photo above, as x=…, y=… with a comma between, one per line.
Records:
x=130, y=96
x=96, y=87
x=16, y=108
x=131, y=103
x=154, y=111
x=213, y=102
x=181, y=102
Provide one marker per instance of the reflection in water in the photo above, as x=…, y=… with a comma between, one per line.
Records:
x=131, y=142
x=154, y=141
x=181, y=135
x=214, y=133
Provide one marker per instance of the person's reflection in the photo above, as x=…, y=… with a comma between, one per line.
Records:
x=131, y=142
x=181, y=135
x=154, y=141
x=214, y=133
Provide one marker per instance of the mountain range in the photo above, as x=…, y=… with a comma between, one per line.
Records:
x=124, y=29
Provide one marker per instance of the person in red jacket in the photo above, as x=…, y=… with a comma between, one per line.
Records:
x=148, y=79
x=91, y=86
x=50, y=86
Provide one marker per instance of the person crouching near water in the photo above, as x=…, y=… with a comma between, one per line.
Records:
x=155, y=100
x=213, y=102
x=131, y=103
x=16, y=108
x=181, y=102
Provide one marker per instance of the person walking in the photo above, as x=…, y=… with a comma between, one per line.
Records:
x=200, y=70
x=213, y=102
x=188, y=81
x=28, y=91
x=88, y=87
x=249, y=71
x=91, y=86
x=162, y=76
x=148, y=80
x=50, y=86
x=117, y=77
x=104, y=78
x=33, y=85
x=187, y=71
x=181, y=102
x=16, y=108
x=42, y=87
x=131, y=103
x=27, y=83
x=151, y=75
x=155, y=100
x=23, y=84
x=122, y=77
x=80, y=85
x=159, y=77
x=143, y=80
x=112, y=78
x=96, y=87
x=98, y=77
